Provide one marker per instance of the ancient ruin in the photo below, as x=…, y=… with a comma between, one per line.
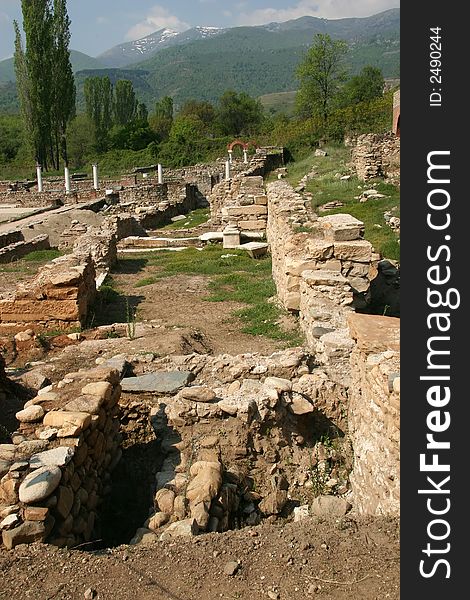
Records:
x=216, y=441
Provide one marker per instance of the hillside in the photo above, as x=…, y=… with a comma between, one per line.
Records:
x=203, y=62
x=79, y=60
x=133, y=52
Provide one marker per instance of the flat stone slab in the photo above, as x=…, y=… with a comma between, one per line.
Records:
x=57, y=457
x=212, y=236
x=159, y=382
x=255, y=249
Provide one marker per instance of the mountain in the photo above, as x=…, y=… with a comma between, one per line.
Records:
x=203, y=62
x=262, y=60
x=79, y=61
x=129, y=53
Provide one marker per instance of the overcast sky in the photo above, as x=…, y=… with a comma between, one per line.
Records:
x=100, y=24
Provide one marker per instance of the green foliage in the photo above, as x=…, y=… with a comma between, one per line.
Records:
x=183, y=146
x=42, y=255
x=239, y=114
x=199, y=109
x=161, y=120
x=99, y=106
x=46, y=86
x=365, y=87
x=11, y=137
x=124, y=103
x=321, y=74
x=81, y=140
x=193, y=219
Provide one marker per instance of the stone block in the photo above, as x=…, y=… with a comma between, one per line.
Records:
x=356, y=250
x=252, y=225
x=62, y=418
x=341, y=227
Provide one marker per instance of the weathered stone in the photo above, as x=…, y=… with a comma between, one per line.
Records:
x=31, y=414
x=85, y=404
x=35, y=513
x=198, y=393
x=27, y=533
x=165, y=500
x=341, y=227
x=4, y=467
x=57, y=457
x=65, y=499
x=301, y=513
x=7, y=452
x=62, y=418
x=9, y=522
x=39, y=484
x=185, y=528
x=231, y=567
x=273, y=503
x=329, y=506
x=101, y=389
x=158, y=520
x=160, y=382
x=300, y=405
x=279, y=384
x=143, y=536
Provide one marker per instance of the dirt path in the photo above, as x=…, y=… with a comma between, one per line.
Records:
x=350, y=559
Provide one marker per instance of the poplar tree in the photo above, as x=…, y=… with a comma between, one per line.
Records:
x=34, y=74
x=64, y=91
x=125, y=103
x=99, y=106
x=45, y=81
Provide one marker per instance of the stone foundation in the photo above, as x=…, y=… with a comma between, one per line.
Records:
x=374, y=414
x=57, y=471
x=21, y=248
x=377, y=155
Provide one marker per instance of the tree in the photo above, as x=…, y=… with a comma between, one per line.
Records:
x=80, y=137
x=99, y=103
x=321, y=74
x=63, y=91
x=125, y=103
x=45, y=81
x=142, y=113
x=366, y=86
x=184, y=142
x=33, y=66
x=199, y=109
x=239, y=114
x=162, y=118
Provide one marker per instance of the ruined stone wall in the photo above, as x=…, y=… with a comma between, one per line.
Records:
x=240, y=201
x=10, y=237
x=21, y=248
x=57, y=471
x=58, y=297
x=300, y=241
x=148, y=193
x=377, y=155
x=374, y=414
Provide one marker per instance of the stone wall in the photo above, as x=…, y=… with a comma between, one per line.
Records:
x=21, y=248
x=374, y=414
x=57, y=471
x=58, y=297
x=10, y=237
x=300, y=241
x=377, y=155
x=240, y=201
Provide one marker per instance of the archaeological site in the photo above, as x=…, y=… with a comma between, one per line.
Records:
x=144, y=407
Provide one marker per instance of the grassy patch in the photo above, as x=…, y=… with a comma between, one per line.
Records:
x=193, y=219
x=234, y=277
x=326, y=186
x=42, y=255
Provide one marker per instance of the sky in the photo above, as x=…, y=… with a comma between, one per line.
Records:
x=97, y=25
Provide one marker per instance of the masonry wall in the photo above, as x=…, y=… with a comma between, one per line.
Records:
x=374, y=414
x=21, y=248
x=57, y=471
x=377, y=155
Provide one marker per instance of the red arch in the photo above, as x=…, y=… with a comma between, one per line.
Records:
x=244, y=145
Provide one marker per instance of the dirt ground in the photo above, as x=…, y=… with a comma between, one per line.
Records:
x=345, y=559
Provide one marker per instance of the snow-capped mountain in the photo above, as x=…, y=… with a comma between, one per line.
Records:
x=138, y=50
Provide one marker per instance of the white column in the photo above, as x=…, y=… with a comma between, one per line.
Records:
x=39, y=176
x=245, y=156
x=160, y=173
x=230, y=156
x=67, y=180
x=95, y=176
x=227, y=169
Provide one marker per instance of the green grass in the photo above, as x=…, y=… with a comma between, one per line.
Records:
x=327, y=187
x=280, y=102
x=236, y=278
x=30, y=263
x=42, y=255
x=193, y=219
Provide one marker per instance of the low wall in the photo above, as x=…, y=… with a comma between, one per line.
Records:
x=240, y=201
x=10, y=237
x=19, y=249
x=377, y=155
x=58, y=470
x=58, y=297
x=374, y=414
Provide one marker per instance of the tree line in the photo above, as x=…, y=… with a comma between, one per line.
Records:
x=329, y=103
